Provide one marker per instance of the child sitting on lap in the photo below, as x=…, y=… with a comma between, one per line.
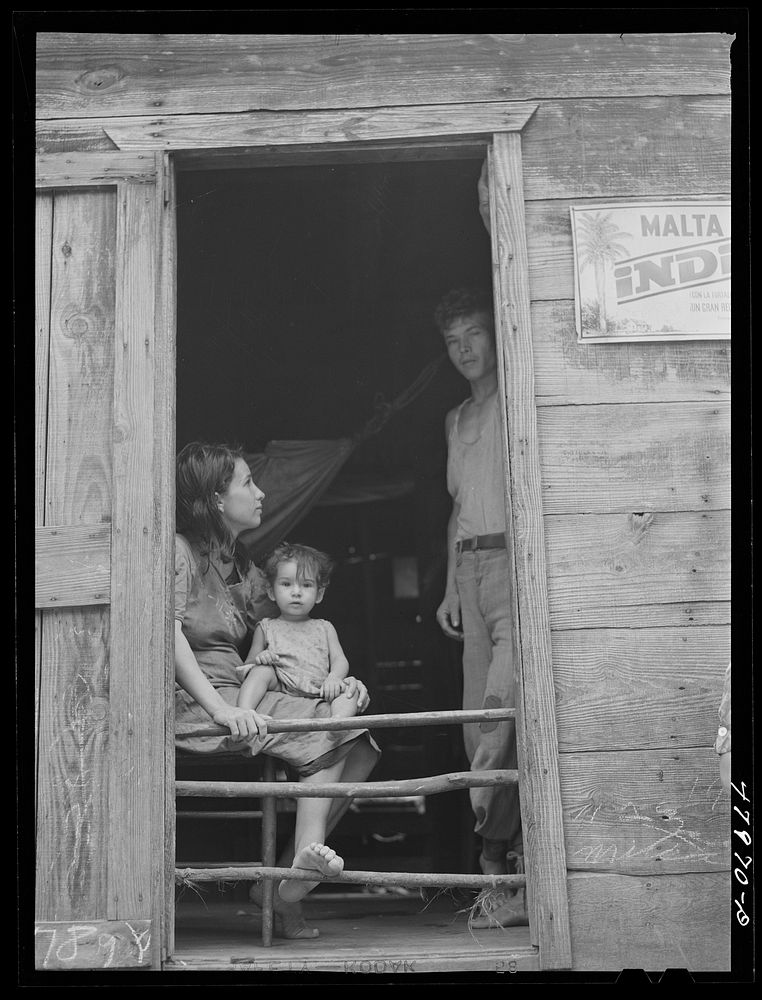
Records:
x=293, y=652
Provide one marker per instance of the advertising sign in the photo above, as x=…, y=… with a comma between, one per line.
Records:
x=652, y=271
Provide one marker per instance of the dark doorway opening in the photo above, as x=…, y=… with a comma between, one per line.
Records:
x=305, y=300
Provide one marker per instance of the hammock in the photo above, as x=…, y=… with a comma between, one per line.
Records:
x=295, y=474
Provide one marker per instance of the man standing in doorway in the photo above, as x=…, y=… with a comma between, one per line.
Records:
x=478, y=605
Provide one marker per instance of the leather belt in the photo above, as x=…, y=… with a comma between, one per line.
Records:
x=496, y=541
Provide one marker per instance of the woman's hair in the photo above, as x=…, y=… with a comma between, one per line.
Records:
x=309, y=562
x=462, y=302
x=204, y=470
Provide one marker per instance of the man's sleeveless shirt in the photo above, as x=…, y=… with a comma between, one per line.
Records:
x=475, y=476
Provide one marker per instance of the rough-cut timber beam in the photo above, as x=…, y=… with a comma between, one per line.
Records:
x=346, y=790
x=236, y=873
x=391, y=721
x=275, y=128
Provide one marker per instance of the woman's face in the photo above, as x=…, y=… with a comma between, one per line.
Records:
x=241, y=504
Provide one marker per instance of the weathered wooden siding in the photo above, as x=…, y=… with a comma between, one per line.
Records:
x=638, y=570
x=645, y=811
x=75, y=422
x=102, y=562
x=86, y=76
x=601, y=674
x=43, y=250
x=570, y=373
x=651, y=922
x=634, y=447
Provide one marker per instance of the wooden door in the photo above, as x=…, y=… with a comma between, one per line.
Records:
x=104, y=524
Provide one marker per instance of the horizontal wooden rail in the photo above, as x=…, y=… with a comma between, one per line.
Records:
x=93, y=168
x=390, y=721
x=275, y=128
x=219, y=814
x=345, y=790
x=410, y=879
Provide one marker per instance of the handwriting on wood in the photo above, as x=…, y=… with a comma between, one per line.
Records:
x=648, y=811
x=95, y=944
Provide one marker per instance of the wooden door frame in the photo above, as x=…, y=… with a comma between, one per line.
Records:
x=410, y=133
x=537, y=740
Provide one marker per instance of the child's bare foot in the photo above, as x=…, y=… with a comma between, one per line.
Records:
x=317, y=857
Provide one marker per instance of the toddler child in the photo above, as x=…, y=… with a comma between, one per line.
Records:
x=293, y=652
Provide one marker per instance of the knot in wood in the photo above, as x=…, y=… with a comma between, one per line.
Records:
x=100, y=79
x=77, y=326
x=639, y=523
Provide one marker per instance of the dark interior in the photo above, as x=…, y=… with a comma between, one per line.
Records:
x=305, y=302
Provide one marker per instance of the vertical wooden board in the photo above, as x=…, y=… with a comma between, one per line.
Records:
x=72, y=821
x=81, y=358
x=569, y=372
x=43, y=235
x=646, y=811
x=72, y=825
x=651, y=922
x=644, y=457
x=658, y=689
x=164, y=541
x=137, y=682
x=42, y=251
x=541, y=799
x=639, y=569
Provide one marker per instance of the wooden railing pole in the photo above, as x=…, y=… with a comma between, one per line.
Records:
x=252, y=873
x=346, y=789
x=268, y=855
x=391, y=721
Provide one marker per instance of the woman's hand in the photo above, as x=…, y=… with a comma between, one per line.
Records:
x=351, y=686
x=243, y=723
x=448, y=615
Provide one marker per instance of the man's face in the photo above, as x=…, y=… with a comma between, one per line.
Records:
x=470, y=343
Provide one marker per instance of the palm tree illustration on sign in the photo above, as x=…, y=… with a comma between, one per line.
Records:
x=597, y=246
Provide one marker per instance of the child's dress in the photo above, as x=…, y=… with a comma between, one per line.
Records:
x=302, y=648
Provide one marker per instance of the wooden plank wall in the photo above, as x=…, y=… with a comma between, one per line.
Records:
x=75, y=403
x=634, y=449
x=102, y=554
x=633, y=437
x=43, y=251
x=97, y=75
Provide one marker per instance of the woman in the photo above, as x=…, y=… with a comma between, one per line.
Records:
x=219, y=597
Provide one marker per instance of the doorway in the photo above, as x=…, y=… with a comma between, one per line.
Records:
x=305, y=301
